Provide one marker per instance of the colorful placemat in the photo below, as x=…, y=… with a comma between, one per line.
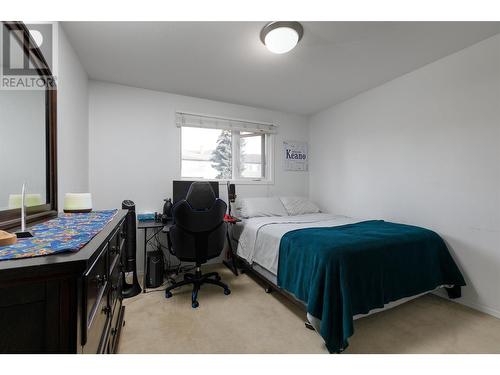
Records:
x=67, y=232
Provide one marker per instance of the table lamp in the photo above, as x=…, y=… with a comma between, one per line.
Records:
x=77, y=202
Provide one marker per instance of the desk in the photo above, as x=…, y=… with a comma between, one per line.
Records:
x=230, y=260
x=157, y=228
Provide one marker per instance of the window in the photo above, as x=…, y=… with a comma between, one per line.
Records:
x=222, y=149
x=206, y=153
x=252, y=155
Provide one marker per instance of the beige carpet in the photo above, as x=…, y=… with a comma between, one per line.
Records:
x=251, y=321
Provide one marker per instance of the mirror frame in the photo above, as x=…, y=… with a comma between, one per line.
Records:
x=12, y=218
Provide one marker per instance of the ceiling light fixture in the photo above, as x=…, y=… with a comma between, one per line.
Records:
x=281, y=36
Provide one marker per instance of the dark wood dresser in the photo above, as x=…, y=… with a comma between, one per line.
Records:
x=65, y=303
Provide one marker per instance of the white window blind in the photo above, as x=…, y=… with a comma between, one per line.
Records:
x=183, y=119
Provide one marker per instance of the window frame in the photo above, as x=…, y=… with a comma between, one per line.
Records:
x=236, y=156
x=268, y=165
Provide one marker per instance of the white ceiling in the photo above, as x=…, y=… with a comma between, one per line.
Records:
x=226, y=61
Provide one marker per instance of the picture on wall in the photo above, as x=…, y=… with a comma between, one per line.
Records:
x=295, y=156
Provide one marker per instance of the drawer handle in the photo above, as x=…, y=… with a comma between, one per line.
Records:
x=115, y=249
x=123, y=235
x=106, y=310
x=113, y=331
x=101, y=279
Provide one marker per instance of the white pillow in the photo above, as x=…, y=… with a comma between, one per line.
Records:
x=255, y=207
x=299, y=205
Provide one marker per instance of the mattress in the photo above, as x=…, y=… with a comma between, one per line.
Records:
x=260, y=237
x=259, y=240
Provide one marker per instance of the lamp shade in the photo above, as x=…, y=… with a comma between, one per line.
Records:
x=77, y=202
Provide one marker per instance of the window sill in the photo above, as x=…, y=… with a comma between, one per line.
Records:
x=251, y=182
x=236, y=182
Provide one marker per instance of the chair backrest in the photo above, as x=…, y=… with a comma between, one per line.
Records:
x=199, y=230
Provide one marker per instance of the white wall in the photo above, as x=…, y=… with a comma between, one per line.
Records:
x=135, y=145
x=423, y=149
x=72, y=121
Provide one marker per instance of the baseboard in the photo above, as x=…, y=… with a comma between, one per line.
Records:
x=481, y=307
x=476, y=306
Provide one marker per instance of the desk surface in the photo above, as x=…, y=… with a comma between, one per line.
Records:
x=149, y=224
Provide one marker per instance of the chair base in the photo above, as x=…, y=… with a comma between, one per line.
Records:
x=198, y=279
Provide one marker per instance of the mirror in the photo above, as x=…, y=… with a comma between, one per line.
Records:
x=27, y=131
x=23, y=144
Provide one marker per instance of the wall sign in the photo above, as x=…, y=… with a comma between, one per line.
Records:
x=295, y=156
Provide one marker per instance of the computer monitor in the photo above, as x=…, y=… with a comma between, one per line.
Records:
x=181, y=188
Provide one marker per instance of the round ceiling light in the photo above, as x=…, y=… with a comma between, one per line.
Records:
x=281, y=36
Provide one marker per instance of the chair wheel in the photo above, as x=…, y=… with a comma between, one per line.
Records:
x=227, y=292
x=195, y=304
x=168, y=294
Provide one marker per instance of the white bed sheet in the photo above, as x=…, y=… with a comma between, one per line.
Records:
x=260, y=239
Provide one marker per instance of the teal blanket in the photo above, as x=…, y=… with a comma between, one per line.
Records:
x=342, y=271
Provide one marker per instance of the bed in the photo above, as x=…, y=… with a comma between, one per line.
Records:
x=341, y=268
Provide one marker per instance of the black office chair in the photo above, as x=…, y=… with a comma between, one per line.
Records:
x=198, y=234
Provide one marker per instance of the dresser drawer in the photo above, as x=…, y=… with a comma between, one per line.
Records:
x=95, y=282
x=114, y=248
x=116, y=325
x=115, y=282
x=96, y=331
x=116, y=244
